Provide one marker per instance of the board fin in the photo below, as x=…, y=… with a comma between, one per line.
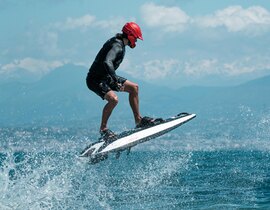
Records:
x=98, y=158
x=128, y=150
x=117, y=155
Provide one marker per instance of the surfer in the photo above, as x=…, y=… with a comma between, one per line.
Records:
x=103, y=80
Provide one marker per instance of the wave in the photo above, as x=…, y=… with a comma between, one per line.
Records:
x=142, y=180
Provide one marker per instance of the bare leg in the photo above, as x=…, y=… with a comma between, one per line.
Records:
x=133, y=90
x=112, y=99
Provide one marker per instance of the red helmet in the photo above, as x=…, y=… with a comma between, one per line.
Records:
x=133, y=32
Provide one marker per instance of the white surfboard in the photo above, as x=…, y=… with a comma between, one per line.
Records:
x=98, y=151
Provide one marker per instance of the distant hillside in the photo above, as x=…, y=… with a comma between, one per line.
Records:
x=263, y=82
x=61, y=97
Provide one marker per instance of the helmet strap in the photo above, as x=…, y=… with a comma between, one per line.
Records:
x=131, y=41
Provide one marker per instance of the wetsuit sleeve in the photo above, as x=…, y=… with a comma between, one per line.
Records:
x=110, y=58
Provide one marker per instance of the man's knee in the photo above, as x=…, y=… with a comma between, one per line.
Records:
x=135, y=88
x=113, y=100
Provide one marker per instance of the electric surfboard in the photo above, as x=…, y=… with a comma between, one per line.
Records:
x=98, y=151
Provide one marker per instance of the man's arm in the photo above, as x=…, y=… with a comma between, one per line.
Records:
x=110, y=58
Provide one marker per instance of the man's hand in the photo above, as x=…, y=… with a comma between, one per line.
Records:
x=119, y=87
x=114, y=84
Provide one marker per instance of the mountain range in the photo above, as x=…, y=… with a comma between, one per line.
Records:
x=62, y=98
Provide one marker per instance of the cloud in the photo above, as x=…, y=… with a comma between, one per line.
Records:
x=198, y=68
x=156, y=69
x=240, y=66
x=169, y=19
x=113, y=24
x=201, y=67
x=64, y=38
x=75, y=23
x=30, y=64
x=254, y=19
x=250, y=64
x=48, y=42
x=152, y=69
x=236, y=18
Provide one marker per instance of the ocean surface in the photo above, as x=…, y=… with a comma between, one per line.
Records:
x=221, y=165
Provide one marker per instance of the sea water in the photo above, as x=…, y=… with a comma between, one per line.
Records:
x=218, y=166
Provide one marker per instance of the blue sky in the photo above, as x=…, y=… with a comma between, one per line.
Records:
x=186, y=42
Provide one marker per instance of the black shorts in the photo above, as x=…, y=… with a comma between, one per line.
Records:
x=102, y=86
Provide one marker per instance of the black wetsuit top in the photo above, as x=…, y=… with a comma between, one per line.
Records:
x=108, y=60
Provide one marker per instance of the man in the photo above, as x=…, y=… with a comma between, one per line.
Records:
x=103, y=80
